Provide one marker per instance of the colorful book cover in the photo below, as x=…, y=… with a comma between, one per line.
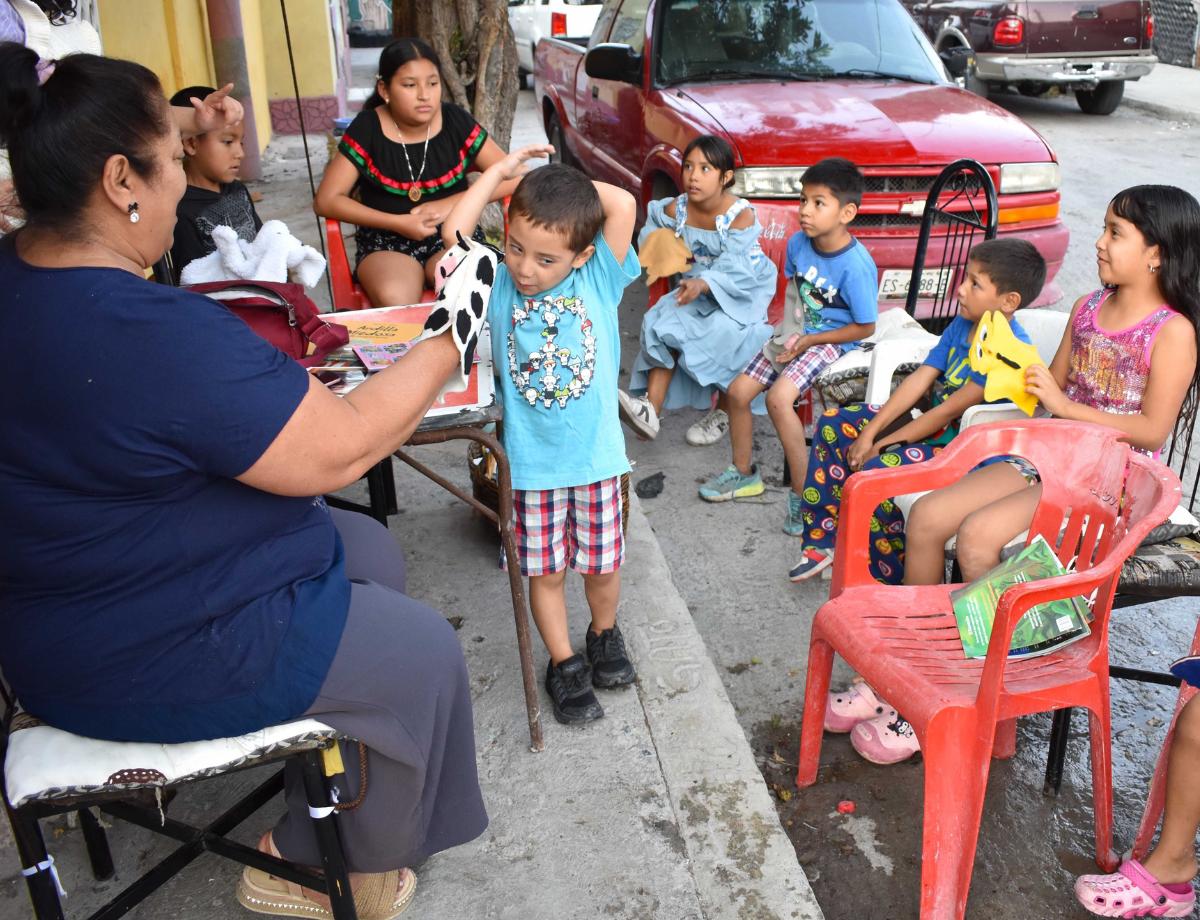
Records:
x=375, y=356
x=399, y=326
x=1042, y=629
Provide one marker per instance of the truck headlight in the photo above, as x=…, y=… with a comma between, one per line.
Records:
x=767, y=182
x=1029, y=177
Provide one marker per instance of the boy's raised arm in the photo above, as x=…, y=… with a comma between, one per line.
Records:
x=620, y=214
x=465, y=215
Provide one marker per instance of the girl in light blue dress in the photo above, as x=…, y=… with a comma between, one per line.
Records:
x=701, y=335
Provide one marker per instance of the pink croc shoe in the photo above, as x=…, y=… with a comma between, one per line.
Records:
x=1131, y=891
x=885, y=739
x=855, y=704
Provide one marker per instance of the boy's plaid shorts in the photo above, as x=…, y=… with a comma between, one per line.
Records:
x=803, y=370
x=579, y=526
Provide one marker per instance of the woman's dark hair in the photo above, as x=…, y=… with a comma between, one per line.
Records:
x=58, y=11
x=394, y=56
x=1169, y=218
x=716, y=150
x=59, y=135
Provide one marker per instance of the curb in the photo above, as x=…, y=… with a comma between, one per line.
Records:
x=742, y=861
x=1160, y=109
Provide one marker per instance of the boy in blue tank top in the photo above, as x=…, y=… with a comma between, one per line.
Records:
x=556, y=347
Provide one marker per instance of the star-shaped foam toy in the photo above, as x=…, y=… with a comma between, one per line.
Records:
x=1002, y=357
x=663, y=254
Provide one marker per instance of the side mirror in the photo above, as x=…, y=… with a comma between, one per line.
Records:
x=958, y=60
x=614, y=62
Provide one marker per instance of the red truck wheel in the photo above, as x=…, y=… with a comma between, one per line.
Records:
x=1103, y=100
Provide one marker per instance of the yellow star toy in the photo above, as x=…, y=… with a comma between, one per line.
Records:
x=1002, y=357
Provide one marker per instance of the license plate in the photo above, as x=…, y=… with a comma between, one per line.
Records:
x=895, y=281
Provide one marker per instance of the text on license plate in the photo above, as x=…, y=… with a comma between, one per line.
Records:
x=894, y=282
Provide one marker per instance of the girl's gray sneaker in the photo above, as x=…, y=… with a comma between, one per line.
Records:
x=709, y=430
x=638, y=413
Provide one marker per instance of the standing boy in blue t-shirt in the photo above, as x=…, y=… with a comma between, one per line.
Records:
x=832, y=303
x=557, y=347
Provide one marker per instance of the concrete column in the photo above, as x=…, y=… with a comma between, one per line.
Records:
x=229, y=64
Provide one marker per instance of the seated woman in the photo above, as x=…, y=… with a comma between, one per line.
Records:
x=404, y=162
x=169, y=571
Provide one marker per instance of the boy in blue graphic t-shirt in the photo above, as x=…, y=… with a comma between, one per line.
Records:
x=832, y=303
x=556, y=347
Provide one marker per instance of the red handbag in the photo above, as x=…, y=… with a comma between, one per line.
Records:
x=282, y=314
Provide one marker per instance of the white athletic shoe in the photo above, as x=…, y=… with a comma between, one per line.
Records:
x=638, y=414
x=709, y=430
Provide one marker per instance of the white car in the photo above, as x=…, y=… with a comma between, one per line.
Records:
x=533, y=20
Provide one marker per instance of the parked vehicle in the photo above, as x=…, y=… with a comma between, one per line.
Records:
x=533, y=20
x=789, y=82
x=1090, y=47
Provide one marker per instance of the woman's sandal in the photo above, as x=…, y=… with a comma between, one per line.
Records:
x=379, y=896
x=1131, y=891
x=845, y=709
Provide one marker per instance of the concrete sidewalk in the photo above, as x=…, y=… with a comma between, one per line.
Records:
x=1169, y=91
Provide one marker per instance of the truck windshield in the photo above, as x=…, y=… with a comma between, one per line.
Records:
x=703, y=40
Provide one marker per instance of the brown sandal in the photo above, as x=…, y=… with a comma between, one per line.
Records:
x=378, y=896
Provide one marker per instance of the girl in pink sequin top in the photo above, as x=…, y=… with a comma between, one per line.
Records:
x=1127, y=360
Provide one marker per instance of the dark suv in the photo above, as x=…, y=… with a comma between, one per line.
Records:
x=1090, y=48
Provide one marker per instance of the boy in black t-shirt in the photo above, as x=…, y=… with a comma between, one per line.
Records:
x=214, y=196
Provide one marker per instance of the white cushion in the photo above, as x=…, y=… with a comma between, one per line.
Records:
x=47, y=763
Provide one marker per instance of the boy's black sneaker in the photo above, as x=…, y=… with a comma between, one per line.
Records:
x=570, y=687
x=610, y=662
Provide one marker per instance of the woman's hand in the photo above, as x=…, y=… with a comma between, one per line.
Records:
x=689, y=289
x=218, y=110
x=862, y=450
x=514, y=165
x=1041, y=383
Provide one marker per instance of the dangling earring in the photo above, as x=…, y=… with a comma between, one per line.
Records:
x=134, y=216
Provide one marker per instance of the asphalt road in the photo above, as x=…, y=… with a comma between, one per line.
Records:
x=730, y=561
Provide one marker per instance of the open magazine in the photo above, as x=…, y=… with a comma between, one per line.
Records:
x=1042, y=629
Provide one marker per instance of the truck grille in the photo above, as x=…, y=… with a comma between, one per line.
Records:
x=893, y=185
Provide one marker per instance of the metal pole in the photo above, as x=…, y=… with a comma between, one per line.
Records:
x=229, y=63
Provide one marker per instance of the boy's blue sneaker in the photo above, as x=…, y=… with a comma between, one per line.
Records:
x=730, y=484
x=793, y=525
x=812, y=562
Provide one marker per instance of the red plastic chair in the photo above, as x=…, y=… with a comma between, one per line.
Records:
x=347, y=294
x=904, y=641
x=1158, y=785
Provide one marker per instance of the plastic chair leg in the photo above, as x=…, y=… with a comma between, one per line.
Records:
x=1005, y=745
x=1099, y=726
x=812, y=728
x=956, y=774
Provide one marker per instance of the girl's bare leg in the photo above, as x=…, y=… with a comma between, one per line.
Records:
x=657, y=381
x=391, y=278
x=1174, y=859
x=936, y=517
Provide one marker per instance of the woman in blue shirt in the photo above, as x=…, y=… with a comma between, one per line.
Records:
x=167, y=573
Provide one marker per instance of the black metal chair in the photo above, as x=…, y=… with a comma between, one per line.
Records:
x=49, y=772
x=960, y=210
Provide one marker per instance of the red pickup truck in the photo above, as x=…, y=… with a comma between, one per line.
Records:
x=789, y=82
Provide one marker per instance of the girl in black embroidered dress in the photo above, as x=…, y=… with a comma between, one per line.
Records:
x=404, y=162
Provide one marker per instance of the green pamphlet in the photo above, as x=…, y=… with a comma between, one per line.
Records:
x=1042, y=629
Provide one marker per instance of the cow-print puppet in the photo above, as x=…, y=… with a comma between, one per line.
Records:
x=464, y=278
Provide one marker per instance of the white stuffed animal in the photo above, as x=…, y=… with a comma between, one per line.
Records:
x=274, y=255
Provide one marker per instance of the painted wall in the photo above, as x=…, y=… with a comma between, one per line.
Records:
x=312, y=44
x=256, y=67
x=168, y=36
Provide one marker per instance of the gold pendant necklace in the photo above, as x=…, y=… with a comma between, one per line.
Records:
x=414, y=190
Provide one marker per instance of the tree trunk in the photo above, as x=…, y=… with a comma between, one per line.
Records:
x=479, y=56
